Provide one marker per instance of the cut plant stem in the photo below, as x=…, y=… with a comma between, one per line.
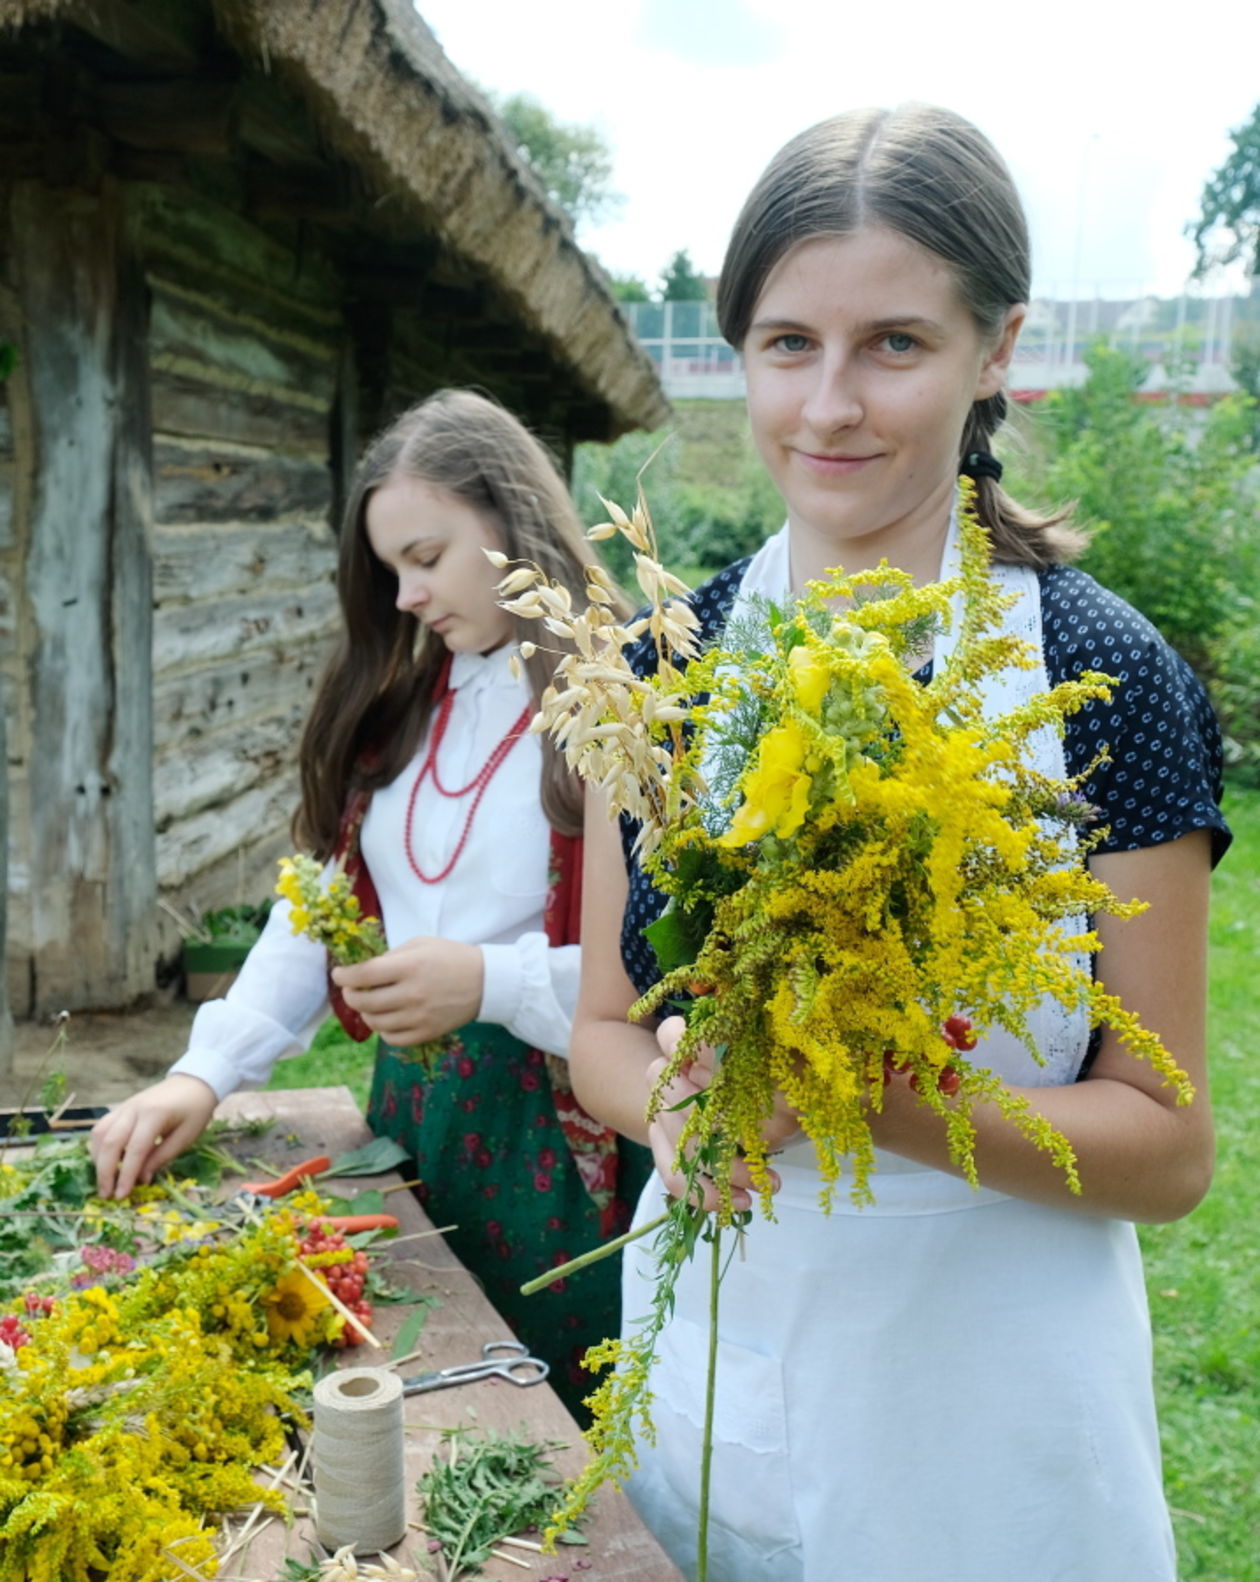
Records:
x=606, y=1249
x=710, y=1392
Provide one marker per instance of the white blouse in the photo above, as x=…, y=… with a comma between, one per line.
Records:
x=494, y=897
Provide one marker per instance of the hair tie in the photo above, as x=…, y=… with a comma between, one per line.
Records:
x=979, y=464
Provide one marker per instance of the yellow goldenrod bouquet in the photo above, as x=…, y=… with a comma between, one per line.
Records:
x=861, y=870
x=139, y=1389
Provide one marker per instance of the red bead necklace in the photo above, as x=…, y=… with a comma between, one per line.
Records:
x=476, y=786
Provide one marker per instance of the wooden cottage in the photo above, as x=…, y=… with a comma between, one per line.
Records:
x=236, y=236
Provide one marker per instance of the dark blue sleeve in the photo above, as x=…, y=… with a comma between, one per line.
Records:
x=1161, y=775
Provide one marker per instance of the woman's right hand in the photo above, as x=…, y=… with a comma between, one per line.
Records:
x=666, y=1127
x=148, y=1130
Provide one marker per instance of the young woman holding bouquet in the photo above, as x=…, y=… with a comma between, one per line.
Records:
x=460, y=831
x=950, y=1385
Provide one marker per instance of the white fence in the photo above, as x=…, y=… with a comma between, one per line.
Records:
x=1192, y=334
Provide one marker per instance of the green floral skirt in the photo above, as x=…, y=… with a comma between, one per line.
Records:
x=493, y=1161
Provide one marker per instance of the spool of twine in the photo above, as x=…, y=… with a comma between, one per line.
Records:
x=357, y=1453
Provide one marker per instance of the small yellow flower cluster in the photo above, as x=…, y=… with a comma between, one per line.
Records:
x=328, y=913
x=134, y=1414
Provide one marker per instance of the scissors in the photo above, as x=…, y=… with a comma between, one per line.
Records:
x=500, y=1359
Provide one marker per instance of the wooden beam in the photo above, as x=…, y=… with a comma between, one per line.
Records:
x=90, y=862
x=157, y=33
x=179, y=115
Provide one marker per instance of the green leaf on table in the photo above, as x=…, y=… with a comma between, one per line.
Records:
x=405, y=1339
x=373, y=1159
x=371, y=1202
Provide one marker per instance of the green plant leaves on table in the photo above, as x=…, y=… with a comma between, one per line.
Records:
x=382, y=1154
x=409, y=1332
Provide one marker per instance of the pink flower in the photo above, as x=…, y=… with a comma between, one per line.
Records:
x=472, y=1140
x=547, y=1158
x=464, y=1066
x=542, y=1181
x=529, y=1081
x=482, y=1159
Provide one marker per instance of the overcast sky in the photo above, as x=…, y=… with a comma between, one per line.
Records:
x=1110, y=115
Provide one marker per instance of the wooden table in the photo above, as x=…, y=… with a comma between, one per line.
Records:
x=327, y=1121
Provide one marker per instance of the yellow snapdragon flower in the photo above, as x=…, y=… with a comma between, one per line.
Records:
x=776, y=791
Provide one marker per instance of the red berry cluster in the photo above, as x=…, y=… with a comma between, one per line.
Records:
x=958, y=1034
x=345, y=1276
x=11, y=1332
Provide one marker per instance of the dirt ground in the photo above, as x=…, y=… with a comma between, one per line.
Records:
x=105, y=1054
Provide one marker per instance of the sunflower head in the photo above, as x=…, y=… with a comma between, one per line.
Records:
x=295, y=1306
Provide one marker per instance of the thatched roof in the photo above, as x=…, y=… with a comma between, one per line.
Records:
x=428, y=148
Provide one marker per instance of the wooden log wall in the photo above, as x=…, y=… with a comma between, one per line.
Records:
x=245, y=344
x=6, y=643
x=82, y=879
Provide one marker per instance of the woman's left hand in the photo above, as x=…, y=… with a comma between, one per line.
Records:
x=418, y=991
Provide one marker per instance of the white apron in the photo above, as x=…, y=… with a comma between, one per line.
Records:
x=947, y=1386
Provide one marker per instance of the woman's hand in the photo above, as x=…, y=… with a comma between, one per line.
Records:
x=148, y=1130
x=418, y=991
x=664, y=1131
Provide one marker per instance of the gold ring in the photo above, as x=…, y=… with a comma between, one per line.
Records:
x=158, y=1140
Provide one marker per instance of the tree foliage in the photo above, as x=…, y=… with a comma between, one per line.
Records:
x=574, y=163
x=1168, y=493
x=1231, y=204
x=629, y=288
x=681, y=282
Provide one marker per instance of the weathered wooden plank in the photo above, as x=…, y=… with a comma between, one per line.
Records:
x=224, y=483
x=8, y=618
x=213, y=837
x=90, y=862
x=206, y=771
x=186, y=115
x=6, y=508
x=160, y=33
x=246, y=876
x=204, y=563
x=188, y=328
x=258, y=685
x=6, y=1016
x=185, y=235
x=193, y=402
x=197, y=634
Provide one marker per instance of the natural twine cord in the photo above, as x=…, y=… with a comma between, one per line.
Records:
x=357, y=1454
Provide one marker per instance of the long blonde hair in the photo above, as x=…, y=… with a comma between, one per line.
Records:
x=376, y=694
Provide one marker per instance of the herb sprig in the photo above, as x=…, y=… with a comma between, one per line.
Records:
x=483, y=1489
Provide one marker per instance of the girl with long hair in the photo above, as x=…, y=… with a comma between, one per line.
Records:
x=950, y=1385
x=461, y=831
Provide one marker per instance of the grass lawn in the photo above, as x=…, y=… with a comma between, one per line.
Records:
x=1201, y=1272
